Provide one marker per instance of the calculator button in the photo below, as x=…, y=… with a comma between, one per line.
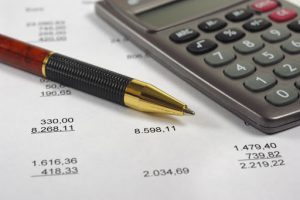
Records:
x=295, y=26
x=283, y=15
x=264, y=5
x=212, y=25
x=219, y=58
x=298, y=84
x=282, y=96
x=292, y=46
x=239, y=15
x=230, y=35
x=256, y=25
x=239, y=70
x=184, y=35
x=201, y=46
x=268, y=57
x=248, y=46
x=260, y=82
x=276, y=35
x=287, y=70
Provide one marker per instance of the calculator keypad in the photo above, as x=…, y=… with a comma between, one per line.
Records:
x=295, y=26
x=184, y=35
x=239, y=15
x=257, y=49
x=201, y=46
x=298, y=84
x=260, y=82
x=239, y=70
x=282, y=96
x=287, y=70
x=230, y=35
x=283, y=15
x=248, y=46
x=292, y=46
x=212, y=25
x=268, y=57
x=220, y=58
x=276, y=35
x=264, y=5
x=257, y=25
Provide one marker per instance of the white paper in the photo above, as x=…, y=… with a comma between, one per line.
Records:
x=191, y=157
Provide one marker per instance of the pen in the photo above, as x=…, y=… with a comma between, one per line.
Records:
x=88, y=78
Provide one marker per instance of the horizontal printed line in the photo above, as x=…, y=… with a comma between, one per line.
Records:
x=56, y=95
x=260, y=158
x=36, y=176
x=53, y=132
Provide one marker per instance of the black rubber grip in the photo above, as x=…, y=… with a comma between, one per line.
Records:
x=88, y=78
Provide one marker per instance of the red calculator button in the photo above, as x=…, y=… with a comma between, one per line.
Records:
x=283, y=15
x=264, y=5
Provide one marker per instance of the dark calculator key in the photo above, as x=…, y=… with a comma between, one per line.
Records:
x=298, y=84
x=247, y=46
x=219, y=58
x=184, y=35
x=212, y=25
x=292, y=46
x=260, y=82
x=276, y=35
x=239, y=70
x=282, y=96
x=283, y=15
x=256, y=25
x=295, y=26
x=268, y=57
x=239, y=15
x=264, y=5
x=287, y=70
x=201, y=46
x=230, y=35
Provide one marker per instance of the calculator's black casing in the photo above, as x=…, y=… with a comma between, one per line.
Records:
x=231, y=94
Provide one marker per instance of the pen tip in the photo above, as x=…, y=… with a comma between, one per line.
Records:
x=188, y=111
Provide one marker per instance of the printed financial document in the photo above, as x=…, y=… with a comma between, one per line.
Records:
x=59, y=143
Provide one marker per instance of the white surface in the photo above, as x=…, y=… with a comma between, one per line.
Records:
x=111, y=157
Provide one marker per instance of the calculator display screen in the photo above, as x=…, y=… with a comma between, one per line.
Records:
x=182, y=10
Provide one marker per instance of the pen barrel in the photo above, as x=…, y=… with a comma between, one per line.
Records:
x=22, y=55
x=86, y=77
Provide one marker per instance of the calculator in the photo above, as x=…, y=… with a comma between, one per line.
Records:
x=243, y=54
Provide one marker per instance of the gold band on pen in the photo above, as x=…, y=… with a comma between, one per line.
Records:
x=145, y=97
x=45, y=61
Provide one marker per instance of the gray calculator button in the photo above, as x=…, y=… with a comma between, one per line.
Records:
x=260, y=82
x=239, y=70
x=287, y=70
x=268, y=57
x=292, y=46
x=219, y=58
x=248, y=46
x=276, y=35
x=282, y=96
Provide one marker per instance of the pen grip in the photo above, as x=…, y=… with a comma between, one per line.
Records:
x=88, y=78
